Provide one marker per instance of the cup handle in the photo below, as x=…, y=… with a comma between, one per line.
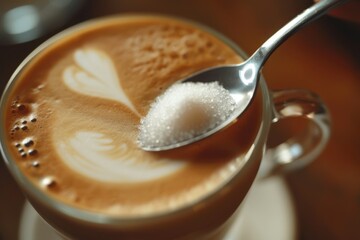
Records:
x=300, y=147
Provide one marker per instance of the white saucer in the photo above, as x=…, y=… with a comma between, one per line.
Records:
x=268, y=213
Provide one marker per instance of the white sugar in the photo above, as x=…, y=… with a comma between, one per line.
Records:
x=185, y=110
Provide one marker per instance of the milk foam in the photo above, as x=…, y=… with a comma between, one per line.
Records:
x=94, y=74
x=92, y=153
x=98, y=156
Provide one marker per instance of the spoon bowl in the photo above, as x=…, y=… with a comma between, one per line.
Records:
x=241, y=80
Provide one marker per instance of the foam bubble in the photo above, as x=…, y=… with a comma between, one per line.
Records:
x=185, y=110
x=35, y=164
x=32, y=152
x=27, y=142
x=48, y=182
x=20, y=107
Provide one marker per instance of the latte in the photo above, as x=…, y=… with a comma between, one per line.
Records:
x=72, y=117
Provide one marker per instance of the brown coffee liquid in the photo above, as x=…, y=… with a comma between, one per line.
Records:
x=73, y=114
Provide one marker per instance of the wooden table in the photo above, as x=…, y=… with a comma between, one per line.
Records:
x=323, y=57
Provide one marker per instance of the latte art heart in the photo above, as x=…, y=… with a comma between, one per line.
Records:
x=94, y=74
x=97, y=156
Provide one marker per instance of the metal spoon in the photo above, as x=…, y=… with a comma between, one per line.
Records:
x=241, y=79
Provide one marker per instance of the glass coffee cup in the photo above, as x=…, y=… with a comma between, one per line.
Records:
x=228, y=161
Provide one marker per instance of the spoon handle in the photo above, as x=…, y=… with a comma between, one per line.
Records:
x=310, y=14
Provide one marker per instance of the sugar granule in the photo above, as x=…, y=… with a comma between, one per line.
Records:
x=184, y=110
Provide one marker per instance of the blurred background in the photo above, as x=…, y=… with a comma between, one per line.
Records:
x=323, y=57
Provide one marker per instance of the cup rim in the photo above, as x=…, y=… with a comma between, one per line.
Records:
x=101, y=218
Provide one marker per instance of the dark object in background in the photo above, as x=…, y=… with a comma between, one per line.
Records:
x=23, y=21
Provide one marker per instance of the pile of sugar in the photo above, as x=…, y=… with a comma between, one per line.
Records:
x=184, y=110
